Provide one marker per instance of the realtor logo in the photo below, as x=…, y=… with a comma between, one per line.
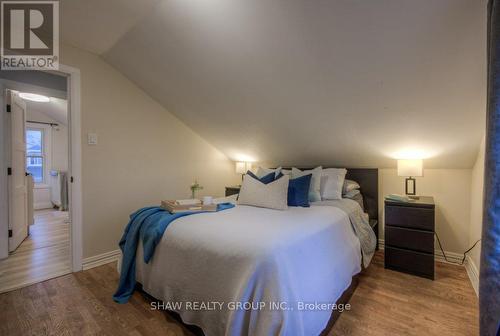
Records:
x=30, y=35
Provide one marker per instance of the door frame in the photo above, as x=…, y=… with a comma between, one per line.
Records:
x=75, y=167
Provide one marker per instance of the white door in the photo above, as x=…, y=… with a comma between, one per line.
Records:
x=18, y=192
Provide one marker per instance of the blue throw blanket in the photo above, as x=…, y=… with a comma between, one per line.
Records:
x=149, y=224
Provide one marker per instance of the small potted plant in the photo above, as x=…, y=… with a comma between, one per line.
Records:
x=195, y=186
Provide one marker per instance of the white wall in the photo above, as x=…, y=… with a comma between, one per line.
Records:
x=144, y=153
x=60, y=148
x=476, y=212
x=59, y=141
x=42, y=197
x=451, y=189
x=57, y=154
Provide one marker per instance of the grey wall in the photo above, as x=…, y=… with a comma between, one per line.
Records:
x=47, y=80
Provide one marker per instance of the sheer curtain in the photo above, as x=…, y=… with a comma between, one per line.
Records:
x=489, y=283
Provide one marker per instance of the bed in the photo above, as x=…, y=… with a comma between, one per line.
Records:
x=257, y=271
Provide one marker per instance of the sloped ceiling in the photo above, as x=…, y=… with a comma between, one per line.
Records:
x=348, y=83
x=96, y=25
x=56, y=109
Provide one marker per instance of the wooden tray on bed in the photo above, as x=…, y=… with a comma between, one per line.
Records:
x=173, y=206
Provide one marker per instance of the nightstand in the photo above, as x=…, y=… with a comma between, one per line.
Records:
x=233, y=190
x=409, y=236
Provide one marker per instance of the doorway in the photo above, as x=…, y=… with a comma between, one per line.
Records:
x=42, y=242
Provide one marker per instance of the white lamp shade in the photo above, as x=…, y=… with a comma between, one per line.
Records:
x=410, y=167
x=240, y=168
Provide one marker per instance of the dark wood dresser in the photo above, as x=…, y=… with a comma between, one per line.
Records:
x=232, y=190
x=409, y=236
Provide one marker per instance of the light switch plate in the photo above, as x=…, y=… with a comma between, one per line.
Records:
x=92, y=138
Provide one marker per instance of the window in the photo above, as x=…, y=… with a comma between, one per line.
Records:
x=35, y=154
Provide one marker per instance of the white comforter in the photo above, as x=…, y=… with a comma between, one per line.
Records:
x=249, y=254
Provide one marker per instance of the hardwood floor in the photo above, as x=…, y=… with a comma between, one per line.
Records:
x=393, y=303
x=385, y=303
x=43, y=255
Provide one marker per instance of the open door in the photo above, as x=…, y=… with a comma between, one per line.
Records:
x=18, y=191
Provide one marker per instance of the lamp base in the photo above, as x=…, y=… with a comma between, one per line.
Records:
x=410, y=186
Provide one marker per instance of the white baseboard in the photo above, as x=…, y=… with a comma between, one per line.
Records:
x=101, y=259
x=438, y=256
x=452, y=256
x=43, y=205
x=473, y=273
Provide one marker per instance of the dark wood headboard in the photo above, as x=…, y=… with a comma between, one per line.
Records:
x=368, y=181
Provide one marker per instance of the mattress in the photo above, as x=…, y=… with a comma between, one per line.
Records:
x=261, y=270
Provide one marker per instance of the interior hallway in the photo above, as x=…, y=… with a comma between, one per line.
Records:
x=43, y=255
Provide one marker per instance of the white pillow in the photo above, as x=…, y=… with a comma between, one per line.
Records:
x=286, y=171
x=273, y=195
x=332, y=183
x=350, y=185
x=261, y=172
x=352, y=193
x=314, y=187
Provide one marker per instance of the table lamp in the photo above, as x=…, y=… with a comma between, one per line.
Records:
x=410, y=169
x=242, y=167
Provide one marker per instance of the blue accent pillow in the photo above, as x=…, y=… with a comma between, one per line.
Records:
x=264, y=179
x=298, y=191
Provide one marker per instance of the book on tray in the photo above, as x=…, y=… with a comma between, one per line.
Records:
x=191, y=205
